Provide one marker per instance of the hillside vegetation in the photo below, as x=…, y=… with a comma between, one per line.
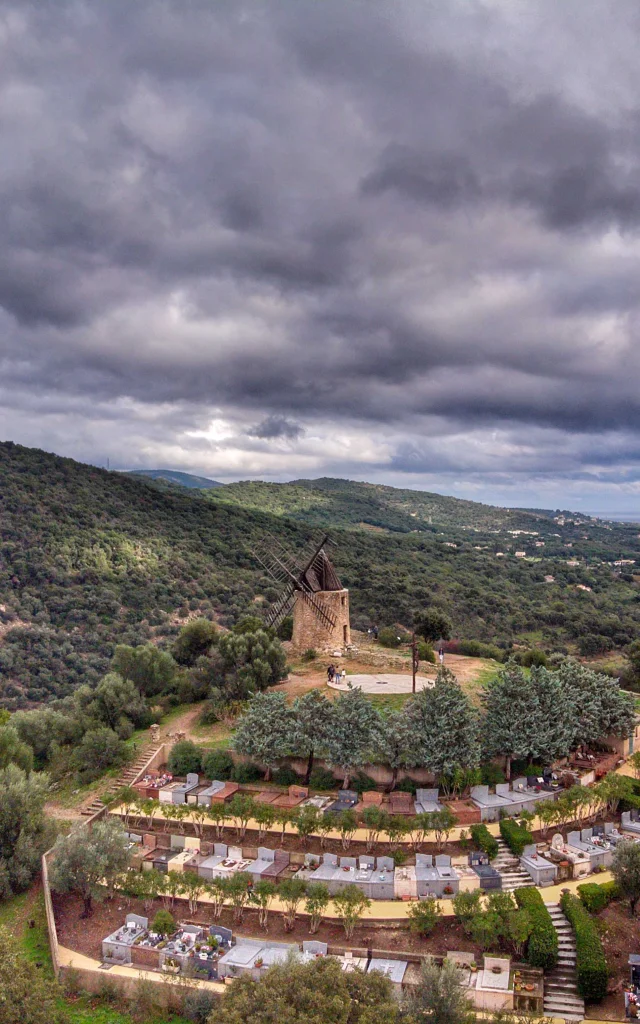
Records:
x=89, y=559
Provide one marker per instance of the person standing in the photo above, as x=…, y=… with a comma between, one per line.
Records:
x=441, y=655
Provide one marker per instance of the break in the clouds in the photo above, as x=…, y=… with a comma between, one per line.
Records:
x=396, y=241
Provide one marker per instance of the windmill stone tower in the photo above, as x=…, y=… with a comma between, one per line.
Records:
x=315, y=595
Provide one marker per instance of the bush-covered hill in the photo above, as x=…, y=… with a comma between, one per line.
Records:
x=89, y=559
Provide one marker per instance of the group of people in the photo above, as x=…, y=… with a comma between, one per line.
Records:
x=334, y=675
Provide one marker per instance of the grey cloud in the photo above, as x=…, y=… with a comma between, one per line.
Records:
x=394, y=216
x=276, y=427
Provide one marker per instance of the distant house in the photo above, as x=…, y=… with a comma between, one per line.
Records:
x=625, y=561
x=573, y=562
x=549, y=579
x=581, y=586
x=521, y=554
x=539, y=543
x=499, y=554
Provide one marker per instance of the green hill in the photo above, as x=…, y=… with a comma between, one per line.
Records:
x=173, y=476
x=90, y=558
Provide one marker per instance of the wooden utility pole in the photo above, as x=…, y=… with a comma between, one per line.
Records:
x=415, y=662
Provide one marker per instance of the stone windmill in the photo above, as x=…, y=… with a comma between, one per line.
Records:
x=309, y=587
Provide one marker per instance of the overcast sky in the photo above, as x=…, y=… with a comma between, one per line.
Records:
x=391, y=241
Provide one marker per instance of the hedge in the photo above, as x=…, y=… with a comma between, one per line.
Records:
x=542, y=947
x=482, y=838
x=596, y=897
x=515, y=836
x=591, y=962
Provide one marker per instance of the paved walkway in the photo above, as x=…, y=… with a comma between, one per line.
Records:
x=80, y=962
x=385, y=683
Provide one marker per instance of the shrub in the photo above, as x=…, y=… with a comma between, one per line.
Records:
x=476, y=649
x=310, y=654
x=362, y=782
x=426, y=652
x=534, y=657
x=466, y=906
x=591, y=961
x=244, y=773
x=515, y=835
x=596, y=897
x=163, y=923
x=198, y=1005
x=407, y=785
x=423, y=915
x=389, y=637
x=286, y=776
x=482, y=838
x=322, y=778
x=542, y=947
x=185, y=757
x=218, y=764
x=491, y=774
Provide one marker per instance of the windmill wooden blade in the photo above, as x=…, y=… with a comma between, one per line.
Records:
x=281, y=608
x=322, y=610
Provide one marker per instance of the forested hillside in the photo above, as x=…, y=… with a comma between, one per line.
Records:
x=89, y=559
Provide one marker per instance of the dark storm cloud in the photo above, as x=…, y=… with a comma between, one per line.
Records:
x=277, y=426
x=340, y=222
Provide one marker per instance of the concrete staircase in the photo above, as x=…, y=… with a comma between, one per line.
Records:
x=129, y=776
x=561, y=998
x=513, y=876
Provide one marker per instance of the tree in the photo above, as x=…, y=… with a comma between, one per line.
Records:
x=25, y=832
x=486, y=929
x=241, y=810
x=193, y=641
x=264, y=816
x=439, y=998
x=265, y=732
x=351, y=904
x=251, y=661
x=318, y=992
x=599, y=708
x=239, y=893
x=424, y=915
x=263, y=895
x=347, y=824
x=306, y=822
x=626, y=871
x=153, y=671
x=115, y=698
x=442, y=823
x=432, y=624
x=218, y=814
x=291, y=891
x=193, y=887
x=527, y=719
x=443, y=727
x=43, y=728
x=185, y=758
x=217, y=890
x=27, y=995
x=376, y=820
x=99, y=750
x=84, y=860
x=634, y=761
x=163, y=923
x=312, y=718
x=355, y=731
x=13, y=750
x=129, y=799
x=394, y=744
x=318, y=898
x=173, y=885
x=518, y=928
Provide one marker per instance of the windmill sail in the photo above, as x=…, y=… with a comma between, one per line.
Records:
x=308, y=577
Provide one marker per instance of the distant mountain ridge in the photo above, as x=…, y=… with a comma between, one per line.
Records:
x=174, y=476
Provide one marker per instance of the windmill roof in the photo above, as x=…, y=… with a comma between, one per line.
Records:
x=321, y=574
